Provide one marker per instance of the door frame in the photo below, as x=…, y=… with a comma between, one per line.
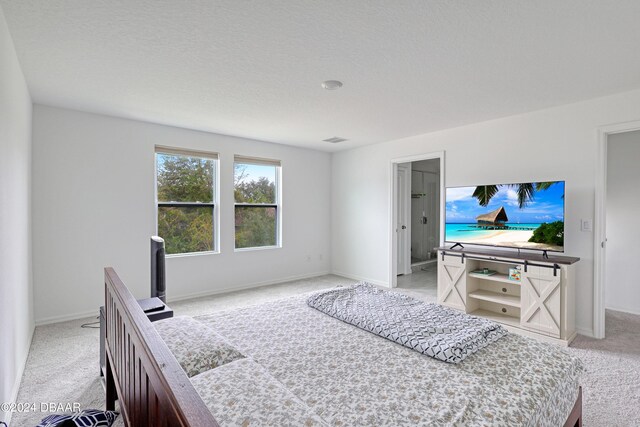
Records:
x=393, y=206
x=600, y=222
x=404, y=201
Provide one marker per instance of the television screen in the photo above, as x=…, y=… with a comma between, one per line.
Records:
x=526, y=216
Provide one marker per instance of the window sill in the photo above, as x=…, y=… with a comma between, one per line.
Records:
x=258, y=248
x=190, y=254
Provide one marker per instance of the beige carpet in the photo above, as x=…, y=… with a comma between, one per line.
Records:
x=611, y=384
x=63, y=362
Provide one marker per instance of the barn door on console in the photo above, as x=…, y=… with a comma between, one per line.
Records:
x=541, y=294
x=452, y=283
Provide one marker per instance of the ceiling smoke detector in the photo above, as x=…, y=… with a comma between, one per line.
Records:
x=335, y=139
x=331, y=84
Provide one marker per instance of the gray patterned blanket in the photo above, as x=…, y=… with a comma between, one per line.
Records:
x=433, y=330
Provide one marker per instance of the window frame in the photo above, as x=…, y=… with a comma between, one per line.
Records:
x=277, y=205
x=215, y=201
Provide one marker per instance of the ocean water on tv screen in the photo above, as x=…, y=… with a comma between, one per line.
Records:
x=466, y=232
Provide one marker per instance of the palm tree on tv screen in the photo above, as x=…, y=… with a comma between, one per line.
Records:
x=525, y=192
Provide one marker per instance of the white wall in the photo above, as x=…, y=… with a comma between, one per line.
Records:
x=556, y=143
x=94, y=206
x=623, y=212
x=16, y=308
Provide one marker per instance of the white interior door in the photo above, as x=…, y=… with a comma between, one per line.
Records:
x=622, y=209
x=432, y=226
x=404, y=219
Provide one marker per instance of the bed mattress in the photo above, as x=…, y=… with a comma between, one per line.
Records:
x=350, y=377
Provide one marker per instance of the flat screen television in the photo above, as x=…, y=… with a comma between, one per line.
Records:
x=525, y=216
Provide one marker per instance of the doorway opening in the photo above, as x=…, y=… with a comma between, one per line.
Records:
x=417, y=209
x=621, y=295
x=425, y=212
x=617, y=205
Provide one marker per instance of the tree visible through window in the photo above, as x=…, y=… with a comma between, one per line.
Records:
x=186, y=200
x=256, y=202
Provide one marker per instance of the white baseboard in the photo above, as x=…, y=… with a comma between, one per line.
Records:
x=6, y=416
x=247, y=286
x=587, y=332
x=623, y=310
x=182, y=297
x=67, y=317
x=361, y=278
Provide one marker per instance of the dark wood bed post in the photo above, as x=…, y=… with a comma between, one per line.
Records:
x=110, y=386
x=141, y=373
x=575, y=417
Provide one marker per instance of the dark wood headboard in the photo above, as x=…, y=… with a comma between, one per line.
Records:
x=141, y=373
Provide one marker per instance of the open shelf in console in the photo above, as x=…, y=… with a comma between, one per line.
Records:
x=498, y=298
x=493, y=296
x=498, y=277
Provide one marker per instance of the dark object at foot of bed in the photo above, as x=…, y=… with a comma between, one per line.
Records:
x=575, y=417
x=151, y=387
x=157, y=311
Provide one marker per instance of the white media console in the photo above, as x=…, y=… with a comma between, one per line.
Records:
x=540, y=304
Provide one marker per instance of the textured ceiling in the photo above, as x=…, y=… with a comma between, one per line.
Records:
x=254, y=68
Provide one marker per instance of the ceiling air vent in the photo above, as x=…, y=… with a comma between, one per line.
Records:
x=335, y=139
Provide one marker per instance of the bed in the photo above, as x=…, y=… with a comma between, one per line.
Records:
x=331, y=372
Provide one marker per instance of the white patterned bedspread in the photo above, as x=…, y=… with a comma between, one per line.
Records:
x=350, y=377
x=242, y=393
x=428, y=328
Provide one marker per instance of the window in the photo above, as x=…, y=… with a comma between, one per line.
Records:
x=186, y=197
x=257, y=202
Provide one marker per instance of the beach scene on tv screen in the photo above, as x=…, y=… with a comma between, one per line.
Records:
x=527, y=215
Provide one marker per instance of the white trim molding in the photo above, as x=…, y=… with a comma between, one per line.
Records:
x=6, y=416
x=253, y=285
x=622, y=310
x=183, y=297
x=361, y=279
x=600, y=229
x=585, y=332
x=93, y=314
